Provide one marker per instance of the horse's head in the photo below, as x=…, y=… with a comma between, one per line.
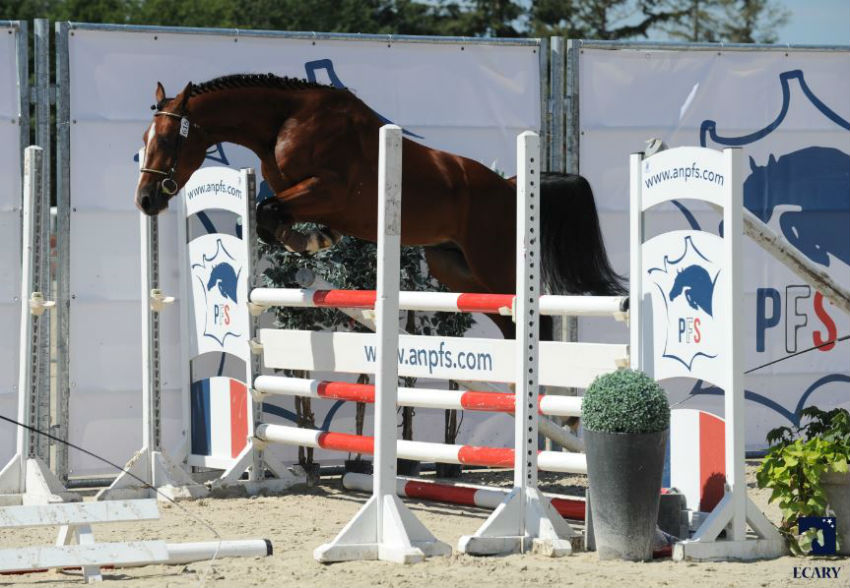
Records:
x=173, y=150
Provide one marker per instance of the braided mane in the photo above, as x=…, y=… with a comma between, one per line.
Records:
x=254, y=81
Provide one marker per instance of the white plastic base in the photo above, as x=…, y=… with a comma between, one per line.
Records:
x=707, y=546
x=169, y=478
x=40, y=485
x=727, y=550
x=253, y=456
x=517, y=527
x=403, y=540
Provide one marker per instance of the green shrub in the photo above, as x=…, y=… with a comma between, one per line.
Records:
x=795, y=463
x=625, y=401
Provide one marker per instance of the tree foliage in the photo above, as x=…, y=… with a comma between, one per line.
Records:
x=736, y=21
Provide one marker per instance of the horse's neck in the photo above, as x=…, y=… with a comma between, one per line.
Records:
x=251, y=119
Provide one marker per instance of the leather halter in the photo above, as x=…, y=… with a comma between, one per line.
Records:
x=169, y=185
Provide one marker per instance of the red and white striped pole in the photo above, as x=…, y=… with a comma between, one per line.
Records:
x=503, y=304
x=465, y=494
x=495, y=457
x=419, y=397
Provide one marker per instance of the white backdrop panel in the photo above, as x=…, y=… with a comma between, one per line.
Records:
x=468, y=98
x=773, y=105
x=10, y=235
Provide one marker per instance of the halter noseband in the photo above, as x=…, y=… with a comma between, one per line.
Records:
x=169, y=185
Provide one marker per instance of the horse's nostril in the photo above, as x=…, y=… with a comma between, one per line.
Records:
x=146, y=203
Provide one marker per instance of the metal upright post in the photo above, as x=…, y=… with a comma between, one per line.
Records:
x=63, y=246
x=41, y=235
x=569, y=88
x=556, y=93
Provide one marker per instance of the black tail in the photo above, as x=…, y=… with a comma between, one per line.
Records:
x=574, y=258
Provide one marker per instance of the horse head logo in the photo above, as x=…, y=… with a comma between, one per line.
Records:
x=807, y=190
x=224, y=277
x=685, y=277
x=216, y=276
x=697, y=287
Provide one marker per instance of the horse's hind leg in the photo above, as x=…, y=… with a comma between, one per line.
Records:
x=448, y=265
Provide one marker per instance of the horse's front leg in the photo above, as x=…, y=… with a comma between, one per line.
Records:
x=307, y=201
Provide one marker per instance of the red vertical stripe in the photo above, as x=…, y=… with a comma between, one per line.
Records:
x=712, y=460
x=238, y=417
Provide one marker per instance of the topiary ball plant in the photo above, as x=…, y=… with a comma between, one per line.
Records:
x=625, y=401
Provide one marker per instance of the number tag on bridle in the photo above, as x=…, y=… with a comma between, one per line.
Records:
x=184, y=127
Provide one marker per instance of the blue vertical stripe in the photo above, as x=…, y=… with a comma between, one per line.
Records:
x=201, y=425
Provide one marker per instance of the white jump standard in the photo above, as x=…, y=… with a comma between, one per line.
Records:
x=686, y=304
x=526, y=520
x=384, y=528
x=26, y=479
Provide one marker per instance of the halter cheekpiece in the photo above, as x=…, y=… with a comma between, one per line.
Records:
x=169, y=185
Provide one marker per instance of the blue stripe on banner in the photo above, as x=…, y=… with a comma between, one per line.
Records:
x=201, y=425
x=326, y=425
x=281, y=412
x=207, y=222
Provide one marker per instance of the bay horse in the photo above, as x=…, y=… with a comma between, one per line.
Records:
x=318, y=148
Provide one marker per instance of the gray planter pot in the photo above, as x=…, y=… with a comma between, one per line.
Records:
x=837, y=488
x=624, y=473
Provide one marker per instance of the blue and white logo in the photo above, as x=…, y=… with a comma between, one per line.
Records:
x=802, y=193
x=685, y=284
x=219, y=275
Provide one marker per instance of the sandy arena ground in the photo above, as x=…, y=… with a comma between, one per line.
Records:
x=298, y=522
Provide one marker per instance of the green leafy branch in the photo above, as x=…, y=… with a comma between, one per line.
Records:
x=795, y=465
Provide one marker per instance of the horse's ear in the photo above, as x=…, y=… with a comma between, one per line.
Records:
x=184, y=96
x=160, y=93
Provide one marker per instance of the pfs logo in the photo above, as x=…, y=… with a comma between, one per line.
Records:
x=220, y=281
x=686, y=284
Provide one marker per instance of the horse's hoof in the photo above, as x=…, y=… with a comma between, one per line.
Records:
x=265, y=236
x=270, y=221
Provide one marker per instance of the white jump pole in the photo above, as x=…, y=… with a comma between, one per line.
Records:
x=482, y=401
x=526, y=518
x=384, y=528
x=552, y=305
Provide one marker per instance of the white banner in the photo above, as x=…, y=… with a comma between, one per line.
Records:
x=444, y=358
x=10, y=233
x=469, y=98
x=789, y=111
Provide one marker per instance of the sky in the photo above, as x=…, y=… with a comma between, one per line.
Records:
x=816, y=22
